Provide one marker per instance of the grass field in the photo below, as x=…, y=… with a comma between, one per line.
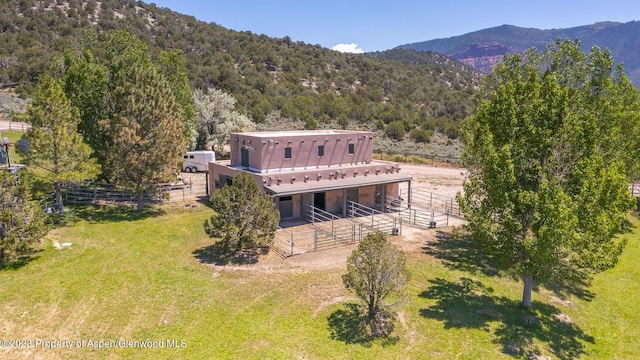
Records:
x=145, y=277
x=13, y=136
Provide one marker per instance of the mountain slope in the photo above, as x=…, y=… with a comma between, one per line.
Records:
x=428, y=58
x=483, y=49
x=269, y=77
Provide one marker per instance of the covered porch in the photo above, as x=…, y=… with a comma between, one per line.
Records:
x=333, y=196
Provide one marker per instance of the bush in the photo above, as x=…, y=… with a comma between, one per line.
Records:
x=395, y=130
x=421, y=136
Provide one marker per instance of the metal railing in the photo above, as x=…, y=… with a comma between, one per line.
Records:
x=374, y=219
x=429, y=200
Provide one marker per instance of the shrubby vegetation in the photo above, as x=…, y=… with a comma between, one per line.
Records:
x=267, y=76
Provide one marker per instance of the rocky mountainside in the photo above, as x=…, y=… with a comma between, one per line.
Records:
x=483, y=49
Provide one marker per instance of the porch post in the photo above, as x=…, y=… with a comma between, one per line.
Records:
x=344, y=202
x=409, y=195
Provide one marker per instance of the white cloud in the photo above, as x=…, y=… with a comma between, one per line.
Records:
x=348, y=48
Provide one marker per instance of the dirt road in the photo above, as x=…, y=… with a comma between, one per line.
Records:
x=445, y=181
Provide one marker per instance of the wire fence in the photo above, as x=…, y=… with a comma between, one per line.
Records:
x=417, y=158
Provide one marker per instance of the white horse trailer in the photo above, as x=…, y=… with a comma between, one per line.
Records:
x=194, y=161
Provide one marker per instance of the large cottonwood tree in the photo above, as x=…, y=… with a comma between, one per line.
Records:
x=549, y=153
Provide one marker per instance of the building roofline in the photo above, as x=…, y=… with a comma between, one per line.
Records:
x=338, y=184
x=262, y=134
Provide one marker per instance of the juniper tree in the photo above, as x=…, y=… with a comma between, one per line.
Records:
x=376, y=271
x=244, y=218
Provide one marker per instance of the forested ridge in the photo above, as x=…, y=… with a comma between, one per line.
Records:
x=271, y=78
x=484, y=48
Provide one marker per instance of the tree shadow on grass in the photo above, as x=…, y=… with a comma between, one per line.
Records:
x=564, y=289
x=21, y=261
x=216, y=254
x=470, y=304
x=349, y=326
x=459, y=252
x=346, y=325
x=104, y=214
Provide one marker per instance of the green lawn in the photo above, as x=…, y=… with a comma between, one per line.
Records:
x=13, y=136
x=138, y=277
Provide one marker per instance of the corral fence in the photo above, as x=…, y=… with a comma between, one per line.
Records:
x=106, y=194
x=327, y=231
x=14, y=126
x=374, y=220
x=422, y=158
x=426, y=210
x=424, y=218
x=438, y=203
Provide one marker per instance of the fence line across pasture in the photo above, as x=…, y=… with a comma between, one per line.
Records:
x=106, y=194
x=14, y=126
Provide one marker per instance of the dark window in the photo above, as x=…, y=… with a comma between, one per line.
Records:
x=185, y=157
x=352, y=149
x=190, y=156
x=244, y=157
x=320, y=150
x=287, y=153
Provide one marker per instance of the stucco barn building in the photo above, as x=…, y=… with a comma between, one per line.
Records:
x=324, y=169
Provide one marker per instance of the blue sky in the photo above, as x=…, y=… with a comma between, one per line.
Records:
x=381, y=25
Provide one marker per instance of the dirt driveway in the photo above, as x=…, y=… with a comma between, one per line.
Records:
x=445, y=181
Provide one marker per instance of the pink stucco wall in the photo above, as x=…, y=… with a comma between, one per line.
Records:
x=266, y=151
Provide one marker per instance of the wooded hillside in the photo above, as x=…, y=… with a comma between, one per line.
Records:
x=270, y=78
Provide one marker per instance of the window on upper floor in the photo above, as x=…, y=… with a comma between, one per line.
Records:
x=287, y=153
x=352, y=149
x=320, y=150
